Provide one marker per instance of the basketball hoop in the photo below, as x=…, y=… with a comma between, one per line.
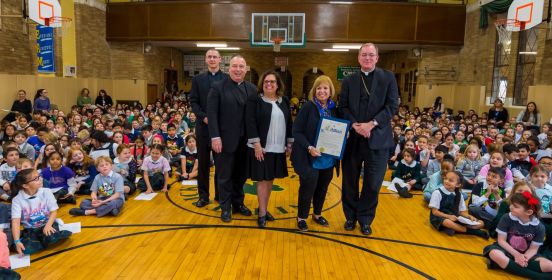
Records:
x=63, y=22
x=277, y=44
x=504, y=29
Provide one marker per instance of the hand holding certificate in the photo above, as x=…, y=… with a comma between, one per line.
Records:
x=332, y=135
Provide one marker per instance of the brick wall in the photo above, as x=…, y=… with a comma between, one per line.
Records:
x=93, y=52
x=15, y=45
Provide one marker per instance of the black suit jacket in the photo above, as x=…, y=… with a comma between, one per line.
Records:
x=258, y=115
x=198, y=100
x=226, y=112
x=384, y=102
x=305, y=129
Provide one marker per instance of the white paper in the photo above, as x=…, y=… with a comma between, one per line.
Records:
x=145, y=196
x=137, y=179
x=467, y=221
x=386, y=183
x=18, y=262
x=72, y=227
x=399, y=181
x=189, y=183
x=331, y=136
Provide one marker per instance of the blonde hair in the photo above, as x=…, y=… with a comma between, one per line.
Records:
x=102, y=159
x=476, y=148
x=320, y=80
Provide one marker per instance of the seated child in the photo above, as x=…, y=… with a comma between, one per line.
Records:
x=434, y=165
x=520, y=234
x=486, y=196
x=524, y=162
x=436, y=179
x=539, y=179
x=139, y=151
x=5, y=271
x=24, y=148
x=85, y=171
x=497, y=160
x=447, y=205
x=470, y=165
x=189, y=159
x=7, y=171
x=408, y=174
x=57, y=177
x=504, y=205
x=107, y=192
x=35, y=208
x=156, y=171
x=126, y=166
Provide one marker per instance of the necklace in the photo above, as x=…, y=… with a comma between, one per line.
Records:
x=365, y=87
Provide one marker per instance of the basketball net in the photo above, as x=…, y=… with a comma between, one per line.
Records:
x=277, y=44
x=503, y=28
x=62, y=24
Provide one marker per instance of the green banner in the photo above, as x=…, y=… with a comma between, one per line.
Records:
x=344, y=71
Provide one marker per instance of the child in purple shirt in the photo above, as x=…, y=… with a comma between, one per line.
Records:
x=58, y=177
x=156, y=171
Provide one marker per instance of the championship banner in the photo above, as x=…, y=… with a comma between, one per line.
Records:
x=45, y=49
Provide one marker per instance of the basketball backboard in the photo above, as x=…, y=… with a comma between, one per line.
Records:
x=527, y=11
x=39, y=10
x=288, y=29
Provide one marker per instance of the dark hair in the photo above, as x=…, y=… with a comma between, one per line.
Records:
x=539, y=168
x=158, y=147
x=448, y=157
x=169, y=126
x=520, y=199
x=8, y=150
x=146, y=128
x=545, y=157
x=500, y=171
x=523, y=146
x=21, y=178
x=281, y=87
x=438, y=102
x=100, y=137
x=509, y=148
x=190, y=136
x=526, y=113
x=53, y=153
x=409, y=151
x=478, y=142
x=38, y=93
x=442, y=149
x=534, y=139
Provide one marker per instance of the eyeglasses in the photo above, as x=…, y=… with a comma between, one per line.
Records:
x=546, y=163
x=266, y=82
x=36, y=179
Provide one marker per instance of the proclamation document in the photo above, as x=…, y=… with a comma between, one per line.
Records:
x=332, y=136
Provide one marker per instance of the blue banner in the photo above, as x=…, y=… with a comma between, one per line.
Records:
x=45, y=49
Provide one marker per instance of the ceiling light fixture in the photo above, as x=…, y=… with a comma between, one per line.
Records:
x=335, y=50
x=228, y=49
x=528, y=53
x=347, y=46
x=211, y=45
x=341, y=2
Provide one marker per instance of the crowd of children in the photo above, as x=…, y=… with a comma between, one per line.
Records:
x=481, y=178
x=96, y=153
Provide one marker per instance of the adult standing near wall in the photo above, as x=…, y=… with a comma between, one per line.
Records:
x=498, y=114
x=226, y=114
x=369, y=98
x=42, y=101
x=438, y=107
x=268, y=119
x=103, y=100
x=530, y=117
x=198, y=99
x=84, y=99
x=21, y=105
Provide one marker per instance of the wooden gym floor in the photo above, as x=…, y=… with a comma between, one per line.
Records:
x=169, y=238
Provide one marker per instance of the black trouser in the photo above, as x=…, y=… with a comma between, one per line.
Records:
x=362, y=205
x=203, y=169
x=313, y=187
x=231, y=175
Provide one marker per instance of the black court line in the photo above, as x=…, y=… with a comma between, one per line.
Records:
x=413, y=269
x=233, y=217
x=310, y=231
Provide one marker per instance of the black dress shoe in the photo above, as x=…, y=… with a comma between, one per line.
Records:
x=226, y=216
x=350, y=225
x=366, y=229
x=269, y=217
x=241, y=209
x=201, y=203
x=321, y=221
x=262, y=221
x=302, y=225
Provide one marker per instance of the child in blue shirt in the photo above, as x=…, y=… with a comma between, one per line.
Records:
x=57, y=177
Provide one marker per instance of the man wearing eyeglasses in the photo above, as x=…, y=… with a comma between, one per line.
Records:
x=226, y=113
x=198, y=99
x=369, y=99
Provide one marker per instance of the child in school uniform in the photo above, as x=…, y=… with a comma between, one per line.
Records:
x=504, y=205
x=189, y=159
x=486, y=196
x=156, y=171
x=58, y=177
x=107, y=196
x=24, y=148
x=436, y=179
x=447, y=206
x=126, y=166
x=408, y=175
x=434, y=165
x=520, y=234
x=35, y=208
x=470, y=165
x=7, y=171
x=524, y=162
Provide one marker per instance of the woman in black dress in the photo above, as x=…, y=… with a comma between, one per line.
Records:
x=498, y=114
x=314, y=169
x=103, y=100
x=268, y=129
x=21, y=105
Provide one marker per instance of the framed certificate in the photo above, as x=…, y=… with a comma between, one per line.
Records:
x=332, y=136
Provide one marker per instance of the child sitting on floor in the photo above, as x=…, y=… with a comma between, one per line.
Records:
x=156, y=171
x=107, y=192
x=408, y=175
x=486, y=196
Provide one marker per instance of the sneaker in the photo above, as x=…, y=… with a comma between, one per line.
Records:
x=449, y=231
x=302, y=225
x=76, y=212
x=115, y=212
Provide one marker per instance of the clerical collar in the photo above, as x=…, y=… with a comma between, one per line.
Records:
x=214, y=73
x=367, y=73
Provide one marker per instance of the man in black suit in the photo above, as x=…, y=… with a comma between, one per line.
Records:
x=198, y=99
x=368, y=99
x=226, y=113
